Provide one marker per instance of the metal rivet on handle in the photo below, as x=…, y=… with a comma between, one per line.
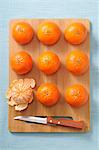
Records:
x=58, y=122
x=51, y=121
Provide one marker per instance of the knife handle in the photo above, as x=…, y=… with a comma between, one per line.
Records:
x=66, y=123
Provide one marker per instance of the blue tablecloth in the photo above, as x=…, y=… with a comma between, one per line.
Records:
x=49, y=9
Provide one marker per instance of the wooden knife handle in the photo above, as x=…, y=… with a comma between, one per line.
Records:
x=66, y=123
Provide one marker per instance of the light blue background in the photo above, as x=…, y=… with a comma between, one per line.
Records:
x=49, y=9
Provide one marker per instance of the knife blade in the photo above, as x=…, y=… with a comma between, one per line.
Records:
x=52, y=121
x=33, y=119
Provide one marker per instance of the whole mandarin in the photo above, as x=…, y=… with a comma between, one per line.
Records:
x=77, y=62
x=48, y=33
x=48, y=62
x=21, y=62
x=75, y=33
x=22, y=32
x=76, y=95
x=48, y=94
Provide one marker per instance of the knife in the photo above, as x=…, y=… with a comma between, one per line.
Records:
x=61, y=121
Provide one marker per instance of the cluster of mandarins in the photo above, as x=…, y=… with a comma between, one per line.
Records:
x=77, y=61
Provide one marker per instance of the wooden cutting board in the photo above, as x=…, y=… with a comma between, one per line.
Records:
x=62, y=78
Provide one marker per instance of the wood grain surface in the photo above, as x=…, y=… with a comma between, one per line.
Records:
x=62, y=78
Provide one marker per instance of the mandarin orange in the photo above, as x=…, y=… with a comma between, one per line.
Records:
x=48, y=94
x=22, y=33
x=77, y=62
x=48, y=33
x=76, y=95
x=75, y=33
x=21, y=62
x=48, y=62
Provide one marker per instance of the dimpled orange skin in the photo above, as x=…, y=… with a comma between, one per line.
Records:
x=21, y=63
x=48, y=62
x=77, y=62
x=48, y=94
x=76, y=95
x=22, y=33
x=48, y=33
x=75, y=33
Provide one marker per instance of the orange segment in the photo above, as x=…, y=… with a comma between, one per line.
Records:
x=76, y=95
x=48, y=94
x=20, y=93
